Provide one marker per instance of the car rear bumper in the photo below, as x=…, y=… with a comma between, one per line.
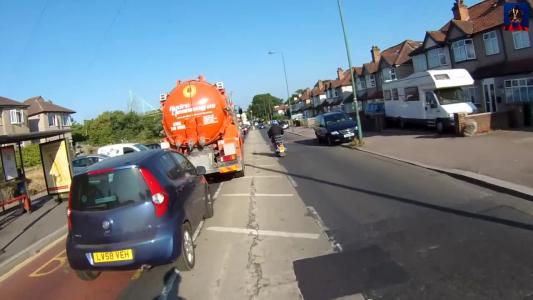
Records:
x=161, y=250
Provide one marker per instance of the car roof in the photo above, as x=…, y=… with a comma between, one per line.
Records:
x=332, y=113
x=134, y=158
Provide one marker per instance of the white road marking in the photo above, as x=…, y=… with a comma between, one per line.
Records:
x=336, y=246
x=312, y=236
x=263, y=166
x=293, y=182
x=257, y=195
x=197, y=231
x=218, y=190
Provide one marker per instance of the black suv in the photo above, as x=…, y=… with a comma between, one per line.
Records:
x=334, y=127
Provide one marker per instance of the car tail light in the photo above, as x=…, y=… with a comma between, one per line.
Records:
x=159, y=195
x=69, y=210
x=101, y=171
x=229, y=157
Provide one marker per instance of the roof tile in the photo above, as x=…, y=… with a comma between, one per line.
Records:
x=39, y=105
x=10, y=102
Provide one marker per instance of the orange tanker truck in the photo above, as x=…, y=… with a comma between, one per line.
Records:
x=199, y=121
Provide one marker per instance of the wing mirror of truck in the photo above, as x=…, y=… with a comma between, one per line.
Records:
x=200, y=170
x=434, y=105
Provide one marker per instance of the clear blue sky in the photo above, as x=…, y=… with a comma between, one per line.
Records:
x=87, y=55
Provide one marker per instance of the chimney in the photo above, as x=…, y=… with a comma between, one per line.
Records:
x=340, y=72
x=376, y=54
x=460, y=11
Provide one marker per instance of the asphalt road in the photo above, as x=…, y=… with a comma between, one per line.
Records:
x=404, y=232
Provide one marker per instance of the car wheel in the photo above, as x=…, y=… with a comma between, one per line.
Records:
x=187, y=257
x=330, y=141
x=440, y=126
x=209, y=210
x=88, y=275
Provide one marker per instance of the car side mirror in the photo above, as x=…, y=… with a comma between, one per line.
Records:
x=200, y=170
x=434, y=105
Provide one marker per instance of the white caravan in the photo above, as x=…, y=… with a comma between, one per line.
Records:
x=430, y=97
x=121, y=149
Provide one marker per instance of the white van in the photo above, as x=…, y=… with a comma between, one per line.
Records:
x=430, y=97
x=121, y=149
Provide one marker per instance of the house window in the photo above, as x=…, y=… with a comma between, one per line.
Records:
x=463, y=50
x=395, y=94
x=470, y=94
x=389, y=74
x=361, y=83
x=521, y=39
x=519, y=90
x=371, y=80
x=437, y=58
x=393, y=73
x=419, y=63
x=16, y=116
x=387, y=95
x=52, y=119
x=65, y=120
x=491, y=43
x=411, y=94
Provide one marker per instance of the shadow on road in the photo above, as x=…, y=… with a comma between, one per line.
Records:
x=3, y=250
x=314, y=142
x=267, y=154
x=444, y=209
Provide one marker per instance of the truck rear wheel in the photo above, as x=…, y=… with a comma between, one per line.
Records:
x=240, y=173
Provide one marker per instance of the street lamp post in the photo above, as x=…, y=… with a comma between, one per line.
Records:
x=286, y=81
x=356, y=106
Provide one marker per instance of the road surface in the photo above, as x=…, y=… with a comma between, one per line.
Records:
x=406, y=232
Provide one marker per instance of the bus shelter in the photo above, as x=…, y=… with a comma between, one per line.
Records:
x=55, y=161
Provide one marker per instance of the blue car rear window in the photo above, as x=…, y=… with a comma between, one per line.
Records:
x=108, y=190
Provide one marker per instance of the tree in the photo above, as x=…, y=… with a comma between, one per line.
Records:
x=113, y=127
x=263, y=105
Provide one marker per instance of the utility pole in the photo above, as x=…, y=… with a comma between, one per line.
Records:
x=355, y=105
x=286, y=81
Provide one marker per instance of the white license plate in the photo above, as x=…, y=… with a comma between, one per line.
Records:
x=349, y=135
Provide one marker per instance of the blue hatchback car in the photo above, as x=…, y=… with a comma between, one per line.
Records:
x=136, y=210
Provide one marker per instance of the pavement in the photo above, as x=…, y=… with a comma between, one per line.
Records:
x=246, y=251
x=23, y=235
x=501, y=160
x=407, y=232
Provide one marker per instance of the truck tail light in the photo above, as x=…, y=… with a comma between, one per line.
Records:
x=229, y=157
x=159, y=195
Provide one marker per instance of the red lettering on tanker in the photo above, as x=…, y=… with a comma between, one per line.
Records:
x=180, y=110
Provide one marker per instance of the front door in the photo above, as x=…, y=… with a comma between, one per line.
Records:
x=489, y=95
x=431, y=106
